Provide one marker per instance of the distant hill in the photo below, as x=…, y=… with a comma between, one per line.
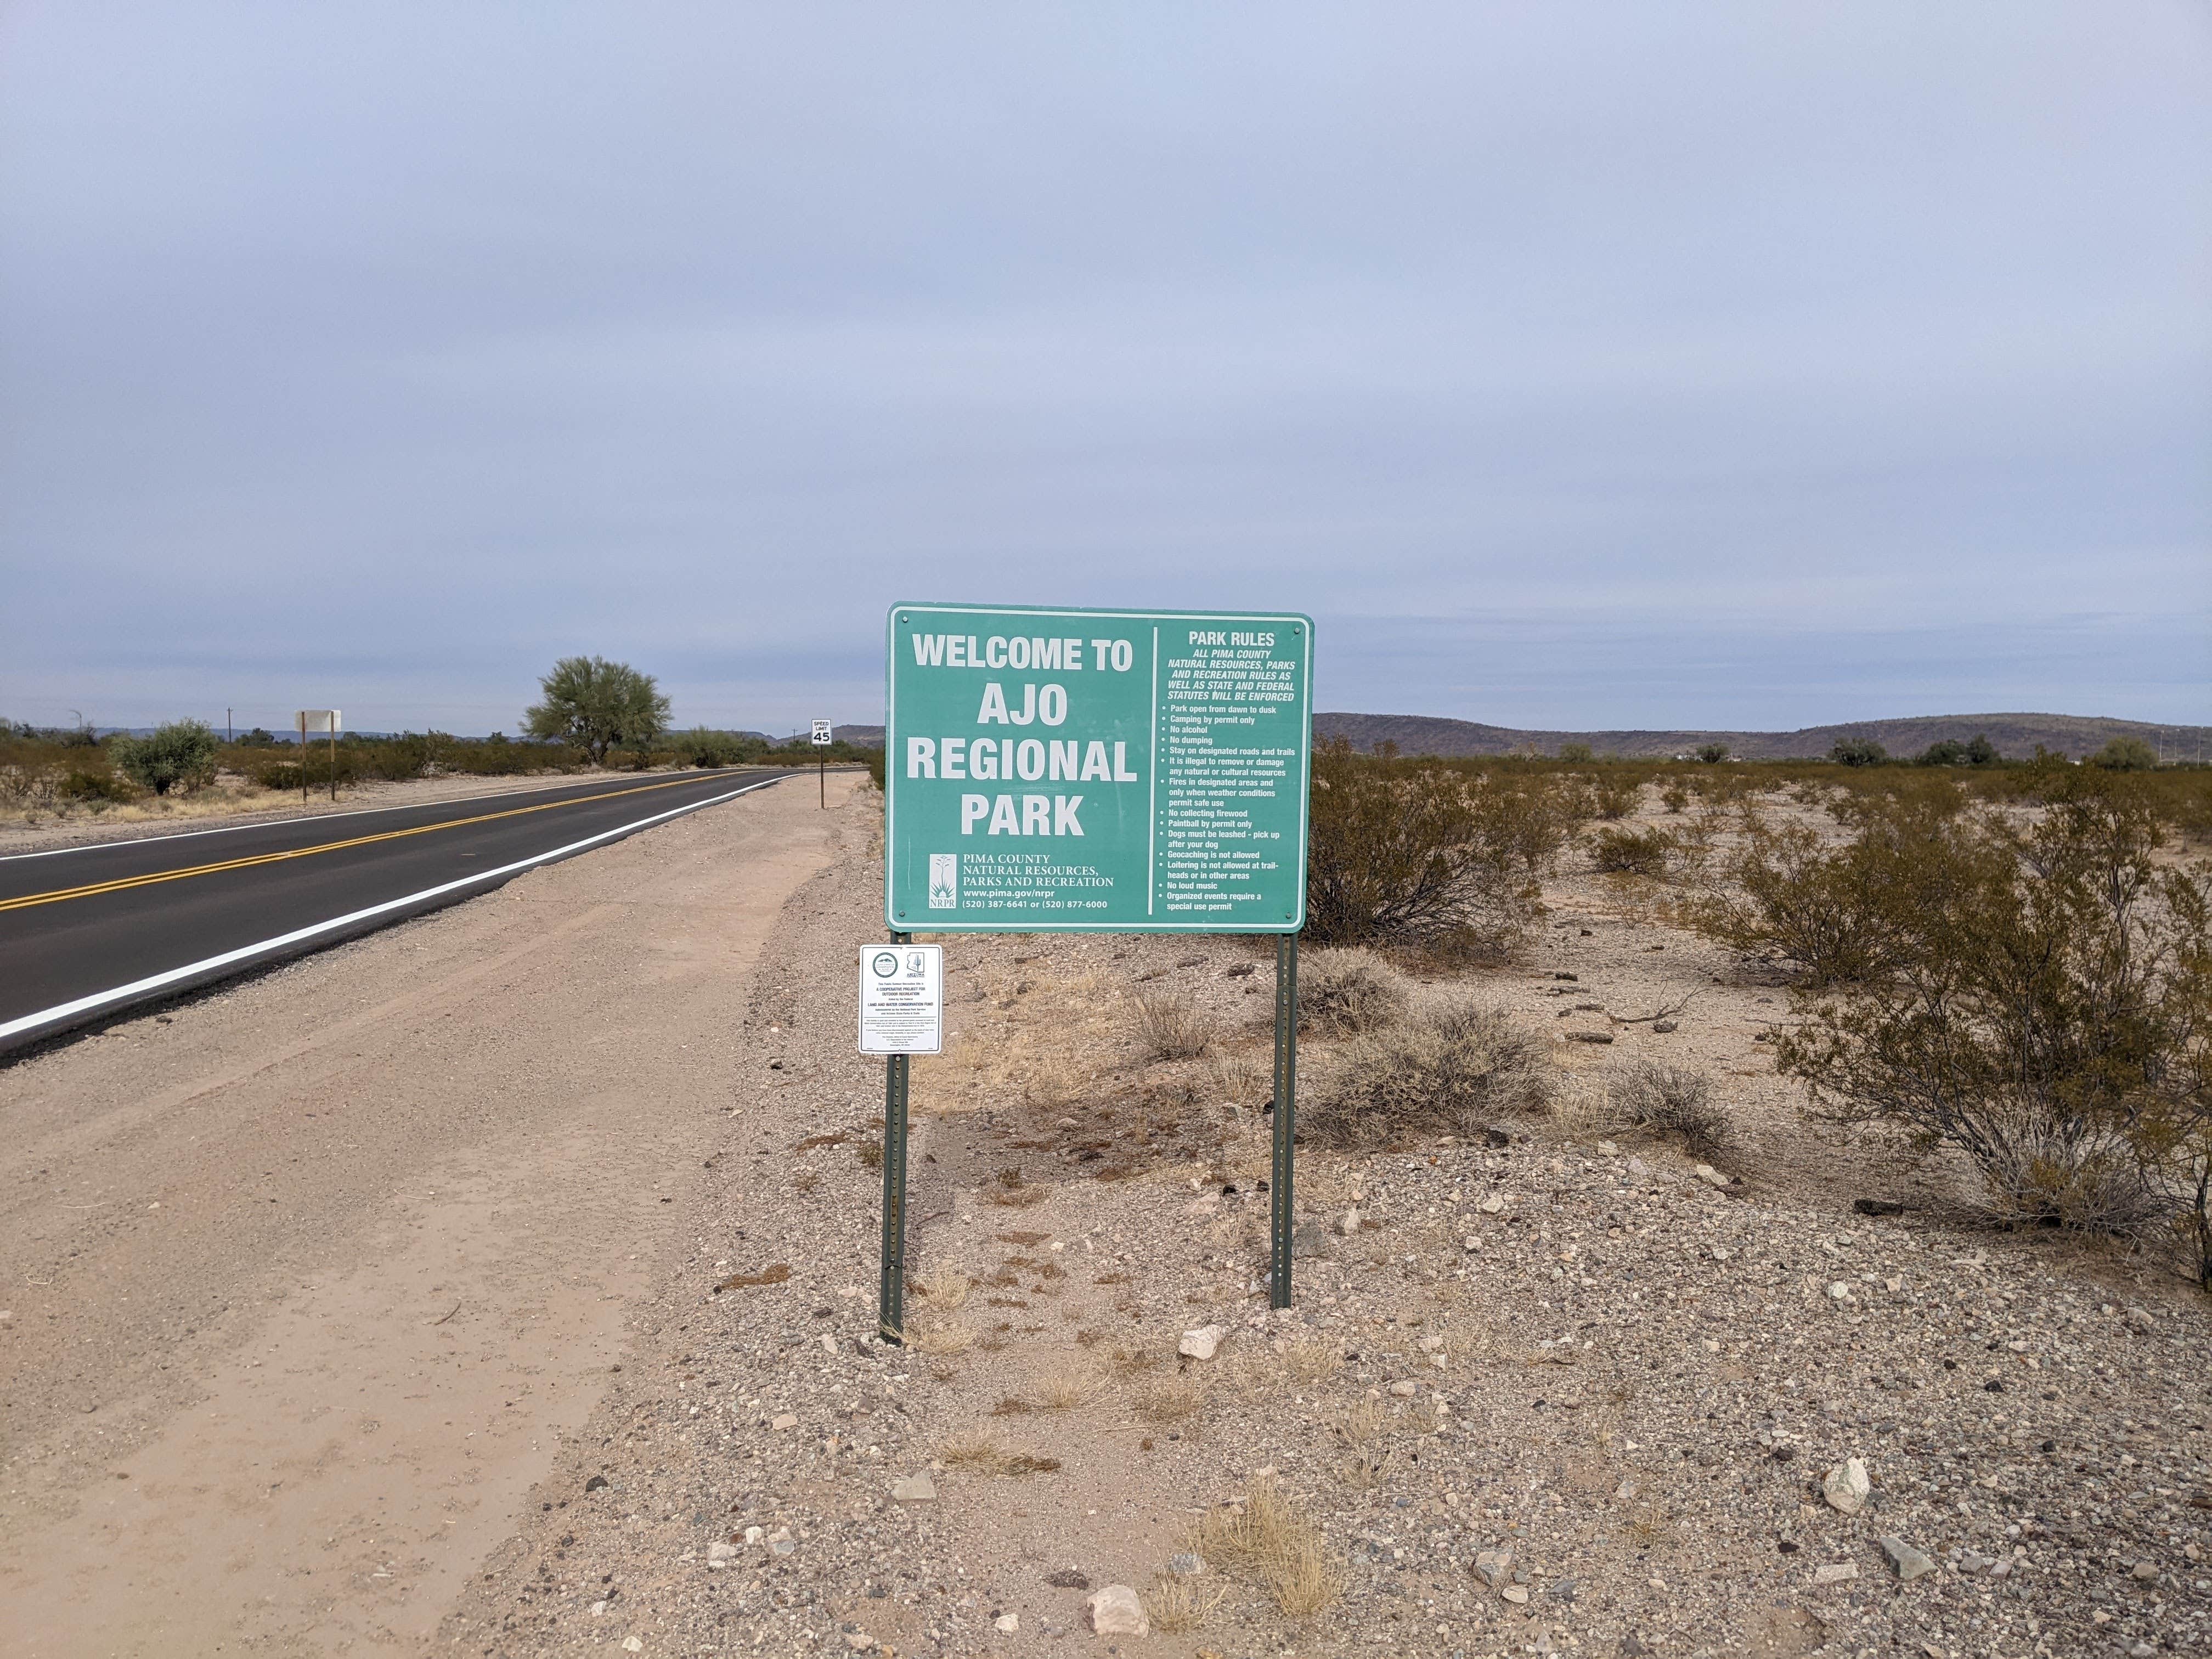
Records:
x=861, y=737
x=2015, y=735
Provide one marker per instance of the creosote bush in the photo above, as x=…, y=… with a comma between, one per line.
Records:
x=1632, y=852
x=1428, y=853
x=2038, y=995
x=1448, y=1068
x=1646, y=1094
x=1343, y=993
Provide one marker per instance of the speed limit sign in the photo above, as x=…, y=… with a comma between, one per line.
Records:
x=822, y=738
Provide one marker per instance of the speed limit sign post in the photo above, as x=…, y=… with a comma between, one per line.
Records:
x=823, y=739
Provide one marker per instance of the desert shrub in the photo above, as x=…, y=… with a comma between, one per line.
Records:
x=81, y=783
x=1712, y=754
x=1169, y=1025
x=1575, y=754
x=1674, y=796
x=1416, y=853
x=1346, y=992
x=1858, y=751
x=180, y=753
x=2042, y=1000
x=2125, y=754
x=1632, y=852
x=1670, y=1099
x=1615, y=795
x=595, y=705
x=1447, y=1068
x=1951, y=752
x=1842, y=914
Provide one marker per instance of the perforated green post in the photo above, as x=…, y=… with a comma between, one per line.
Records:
x=1280, y=1192
x=891, y=1292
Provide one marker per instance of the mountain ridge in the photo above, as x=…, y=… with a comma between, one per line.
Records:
x=2016, y=735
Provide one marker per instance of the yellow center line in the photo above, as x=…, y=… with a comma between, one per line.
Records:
x=93, y=889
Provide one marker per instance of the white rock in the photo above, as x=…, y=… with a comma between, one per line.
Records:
x=859, y=1641
x=719, y=1552
x=1835, y=1572
x=784, y=1420
x=1515, y=1594
x=1845, y=1486
x=1201, y=1343
x=631, y=1645
x=1839, y=1292
x=1710, y=1176
x=1348, y=1222
x=1117, y=1611
x=754, y=1534
x=1006, y=1623
x=828, y=1343
x=1405, y=1388
x=1491, y=1206
x=1431, y=1344
x=914, y=1489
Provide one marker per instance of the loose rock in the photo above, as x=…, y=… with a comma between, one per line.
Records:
x=1846, y=1487
x=1201, y=1343
x=1905, y=1560
x=1117, y=1611
x=914, y=1489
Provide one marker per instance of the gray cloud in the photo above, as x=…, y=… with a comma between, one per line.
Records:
x=1595, y=366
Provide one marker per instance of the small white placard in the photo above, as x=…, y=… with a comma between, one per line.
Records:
x=902, y=999
x=822, y=734
x=314, y=720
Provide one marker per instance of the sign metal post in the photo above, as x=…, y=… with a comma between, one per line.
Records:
x=902, y=1015
x=824, y=736
x=318, y=720
x=1096, y=771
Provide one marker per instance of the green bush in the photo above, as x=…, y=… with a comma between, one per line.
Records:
x=1712, y=754
x=1858, y=751
x=181, y=752
x=2125, y=754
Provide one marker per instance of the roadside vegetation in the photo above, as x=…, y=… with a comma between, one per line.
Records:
x=591, y=715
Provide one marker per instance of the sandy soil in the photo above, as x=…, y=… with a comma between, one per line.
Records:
x=1558, y=1345
x=308, y=1279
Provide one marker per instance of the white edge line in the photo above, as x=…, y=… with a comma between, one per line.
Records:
x=154, y=982
x=307, y=817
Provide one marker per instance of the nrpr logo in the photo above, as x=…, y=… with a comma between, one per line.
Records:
x=945, y=881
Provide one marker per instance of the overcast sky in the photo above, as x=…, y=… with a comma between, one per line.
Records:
x=1575, y=365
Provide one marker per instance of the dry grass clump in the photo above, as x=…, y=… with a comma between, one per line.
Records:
x=1650, y=1096
x=1344, y=993
x=1062, y=1390
x=1169, y=1025
x=1308, y=1360
x=1242, y=1079
x=1132, y=1361
x=1009, y=1190
x=980, y=1454
x=1277, y=1542
x=1175, y=1605
x=945, y=1287
x=1171, y=1399
x=946, y=1336
x=1448, y=1068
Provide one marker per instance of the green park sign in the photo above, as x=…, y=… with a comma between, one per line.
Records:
x=1108, y=771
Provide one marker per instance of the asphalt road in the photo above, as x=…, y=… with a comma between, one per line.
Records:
x=91, y=931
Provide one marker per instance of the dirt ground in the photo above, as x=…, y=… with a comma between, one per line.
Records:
x=1547, y=1390
x=308, y=1279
